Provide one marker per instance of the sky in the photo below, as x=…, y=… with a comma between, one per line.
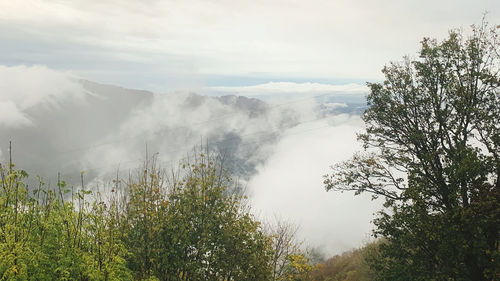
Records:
x=274, y=50
x=165, y=45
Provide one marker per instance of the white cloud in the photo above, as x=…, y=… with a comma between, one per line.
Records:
x=23, y=87
x=290, y=185
x=11, y=116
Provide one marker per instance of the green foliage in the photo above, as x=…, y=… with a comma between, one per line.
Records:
x=299, y=267
x=187, y=226
x=195, y=228
x=44, y=238
x=433, y=138
x=349, y=266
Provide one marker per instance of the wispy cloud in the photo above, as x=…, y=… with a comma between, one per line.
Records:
x=11, y=115
x=25, y=87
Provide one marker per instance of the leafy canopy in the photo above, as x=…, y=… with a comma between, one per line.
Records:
x=432, y=151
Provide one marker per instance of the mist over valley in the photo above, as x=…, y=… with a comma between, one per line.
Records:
x=278, y=146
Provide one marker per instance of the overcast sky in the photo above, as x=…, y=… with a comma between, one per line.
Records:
x=269, y=49
x=167, y=44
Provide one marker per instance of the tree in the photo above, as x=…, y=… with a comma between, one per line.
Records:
x=432, y=150
x=194, y=227
x=285, y=244
x=210, y=232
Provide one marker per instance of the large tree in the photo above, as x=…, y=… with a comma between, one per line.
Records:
x=432, y=150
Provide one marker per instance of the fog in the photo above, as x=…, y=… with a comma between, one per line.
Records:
x=280, y=149
x=289, y=185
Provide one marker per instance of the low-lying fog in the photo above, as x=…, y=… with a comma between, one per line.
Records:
x=280, y=138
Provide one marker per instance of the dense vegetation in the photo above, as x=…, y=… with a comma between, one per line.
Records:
x=189, y=225
x=432, y=150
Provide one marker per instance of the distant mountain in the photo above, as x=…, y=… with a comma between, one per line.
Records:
x=106, y=127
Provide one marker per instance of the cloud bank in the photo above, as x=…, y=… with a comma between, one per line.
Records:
x=61, y=124
x=289, y=185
